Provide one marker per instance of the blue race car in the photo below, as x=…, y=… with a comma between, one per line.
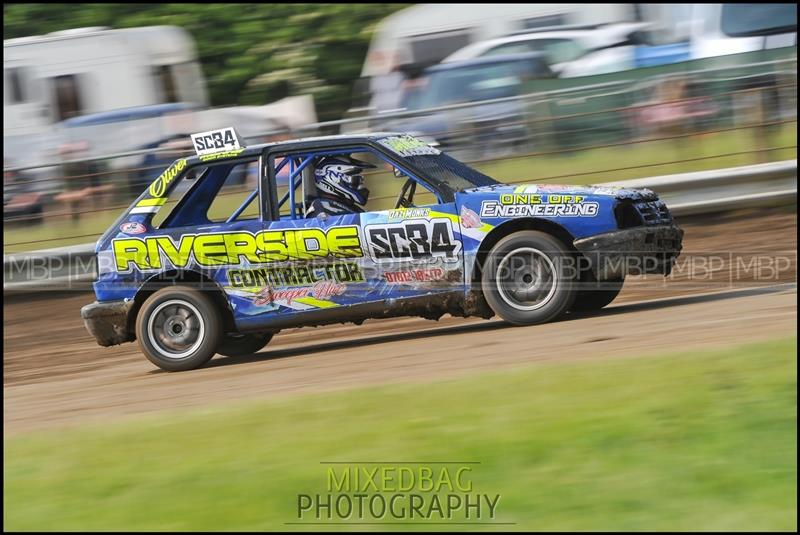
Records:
x=189, y=274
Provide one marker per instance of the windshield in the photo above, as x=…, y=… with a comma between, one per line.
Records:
x=447, y=170
x=744, y=20
x=435, y=165
x=556, y=50
x=465, y=84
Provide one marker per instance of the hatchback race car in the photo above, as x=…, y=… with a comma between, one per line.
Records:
x=198, y=266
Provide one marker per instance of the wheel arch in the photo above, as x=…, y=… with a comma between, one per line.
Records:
x=182, y=277
x=516, y=225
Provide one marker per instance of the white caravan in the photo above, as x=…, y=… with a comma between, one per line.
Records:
x=51, y=78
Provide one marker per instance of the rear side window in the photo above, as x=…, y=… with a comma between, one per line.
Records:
x=186, y=183
x=211, y=194
x=240, y=184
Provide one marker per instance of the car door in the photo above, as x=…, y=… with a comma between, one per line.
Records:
x=309, y=265
x=335, y=266
x=413, y=252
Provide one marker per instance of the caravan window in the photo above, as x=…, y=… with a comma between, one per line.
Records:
x=68, y=100
x=429, y=49
x=14, y=81
x=166, y=80
x=545, y=21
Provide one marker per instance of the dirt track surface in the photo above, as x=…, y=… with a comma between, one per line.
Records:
x=55, y=374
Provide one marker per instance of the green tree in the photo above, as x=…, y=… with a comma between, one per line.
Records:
x=250, y=53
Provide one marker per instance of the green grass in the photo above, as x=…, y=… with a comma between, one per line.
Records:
x=681, y=154
x=701, y=440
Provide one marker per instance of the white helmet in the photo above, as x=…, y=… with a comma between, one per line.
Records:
x=341, y=176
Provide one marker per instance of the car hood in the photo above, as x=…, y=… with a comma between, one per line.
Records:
x=639, y=194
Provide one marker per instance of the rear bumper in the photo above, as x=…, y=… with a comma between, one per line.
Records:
x=108, y=322
x=632, y=251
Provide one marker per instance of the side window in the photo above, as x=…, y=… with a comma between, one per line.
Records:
x=303, y=183
x=212, y=194
x=394, y=184
x=511, y=48
x=561, y=50
x=383, y=184
x=181, y=189
x=238, y=187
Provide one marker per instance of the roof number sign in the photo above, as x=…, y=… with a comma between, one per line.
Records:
x=215, y=141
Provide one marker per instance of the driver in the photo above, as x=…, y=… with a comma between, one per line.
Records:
x=340, y=187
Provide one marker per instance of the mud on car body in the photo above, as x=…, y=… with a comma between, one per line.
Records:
x=187, y=284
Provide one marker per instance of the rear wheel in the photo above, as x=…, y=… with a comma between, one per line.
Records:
x=243, y=344
x=179, y=328
x=529, y=278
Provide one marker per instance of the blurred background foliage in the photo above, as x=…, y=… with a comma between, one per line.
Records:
x=251, y=54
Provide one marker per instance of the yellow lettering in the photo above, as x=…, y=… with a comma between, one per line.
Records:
x=178, y=256
x=309, y=244
x=272, y=245
x=130, y=250
x=241, y=244
x=209, y=250
x=344, y=242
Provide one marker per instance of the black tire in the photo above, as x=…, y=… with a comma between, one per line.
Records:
x=166, y=326
x=243, y=344
x=551, y=270
x=594, y=295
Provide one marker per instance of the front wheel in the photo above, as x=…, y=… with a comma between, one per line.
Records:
x=243, y=344
x=178, y=328
x=594, y=295
x=529, y=278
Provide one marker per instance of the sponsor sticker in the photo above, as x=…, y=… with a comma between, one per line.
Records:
x=408, y=146
x=132, y=227
x=527, y=204
x=408, y=213
x=159, y=186
x=497, y=209
x=284, y=276
x=231, y=248
x=414, y=275
x=320, y=290
x=412, y=239
x=469, y=219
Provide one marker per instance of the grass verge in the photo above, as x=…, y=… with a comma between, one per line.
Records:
x=690, y=441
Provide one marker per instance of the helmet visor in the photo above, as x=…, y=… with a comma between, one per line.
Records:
x=354, y=179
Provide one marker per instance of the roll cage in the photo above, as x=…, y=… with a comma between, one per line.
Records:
x=299, y=155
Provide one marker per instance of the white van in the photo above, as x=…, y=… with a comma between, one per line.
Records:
x=720, y=29
x=570, y=52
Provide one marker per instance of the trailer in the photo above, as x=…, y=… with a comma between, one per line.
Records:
x=71, y=73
